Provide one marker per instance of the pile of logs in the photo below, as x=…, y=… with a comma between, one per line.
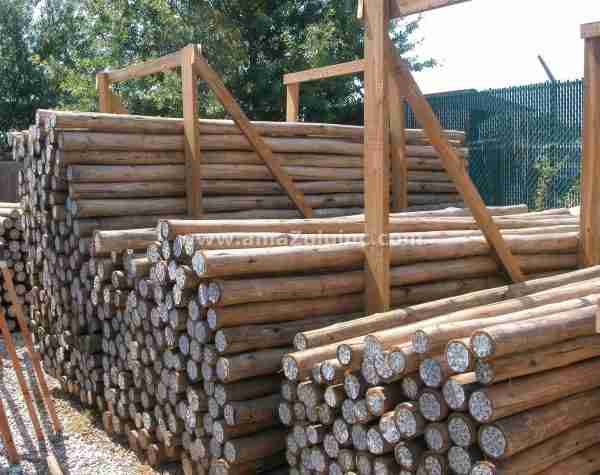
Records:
x=13, y=250
x=176, y=331
x=499, y=381
x=127, y=165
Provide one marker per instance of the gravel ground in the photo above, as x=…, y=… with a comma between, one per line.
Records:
x=83, y=447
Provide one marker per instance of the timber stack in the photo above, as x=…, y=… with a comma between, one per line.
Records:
x=176, y=331
x=13, y=251
x=499, y=381
x=86, y=172
x=250, y=286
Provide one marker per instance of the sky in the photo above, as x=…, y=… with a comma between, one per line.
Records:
x=486, y=44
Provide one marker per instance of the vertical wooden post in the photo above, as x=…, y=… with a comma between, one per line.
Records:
x=104, y=94
x=193, y=169
x=590, y=167
x=398, y=148
x=376, y=158
x=293, y=102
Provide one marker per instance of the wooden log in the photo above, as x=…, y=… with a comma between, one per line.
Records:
x=288, y=310
x=554, y=356
x=433, y=337
x=122, y=173
x=86, y=227
x=518, y=433
x=246, y=449
x=343, y=331
x=510, y=338
x=109, y=241
x=86, y=141
x=586, y=461
x=247, y=365
x=132, y=207
x=253, y=411
x=253, y=337
x=510, y=397
x=350, y=255
x=147, y=189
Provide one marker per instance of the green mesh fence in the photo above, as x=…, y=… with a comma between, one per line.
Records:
x=525, y=141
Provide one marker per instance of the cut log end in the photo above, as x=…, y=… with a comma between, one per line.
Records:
x=437, y=437
x=459, y=357
x=480, y=406
x=482, y=345
x=460, y=461
x=396, y=360
x=421, y=342
x=484, y=468
x=408, y=421
x=484, y=372
x=199, y=264
x=344, y=354
x=492, y=441
x=432, y=406
x=434, y=464
x=290, y=368
x=431, y=373
x=300, y=343
x=461, y=430
x=454, y=395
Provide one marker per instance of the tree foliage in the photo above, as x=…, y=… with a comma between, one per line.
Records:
x=62, y=44
x=23, y=84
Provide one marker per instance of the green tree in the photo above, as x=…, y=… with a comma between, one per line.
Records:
x=252, y=44
x=23, y=85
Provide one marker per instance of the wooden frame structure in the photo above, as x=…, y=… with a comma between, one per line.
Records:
x=590, y=168
x=388, y=82
x=292, y=82
x=194, y=67
x=387, y=76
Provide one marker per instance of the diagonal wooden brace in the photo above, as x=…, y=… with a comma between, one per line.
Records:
x=208, y=74
x=451, y=161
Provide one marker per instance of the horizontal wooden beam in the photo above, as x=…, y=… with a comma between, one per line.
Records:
x=402, y=8
x=165, y=63
x=590, y=30
x=325, y=72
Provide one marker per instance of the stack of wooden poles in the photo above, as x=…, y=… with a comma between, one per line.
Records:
x=86, y=172
x=499, y=381
x=254, y=285
x=124, y=165
x=13, y=250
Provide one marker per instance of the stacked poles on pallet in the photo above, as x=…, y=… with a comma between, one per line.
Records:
x=499, y=381
x=13, y=250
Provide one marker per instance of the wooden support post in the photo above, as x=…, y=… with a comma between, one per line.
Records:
x=207, y=73
x=104, y=93
x=12, y=351
x=292, y=102
x=6, y=436
x=33, y=355
x=590, y=168
x=398, y=148
x=452, y=162
x=376, y=158
x=193, y=164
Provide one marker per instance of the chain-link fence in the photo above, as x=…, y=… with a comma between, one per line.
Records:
x=525, y=141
